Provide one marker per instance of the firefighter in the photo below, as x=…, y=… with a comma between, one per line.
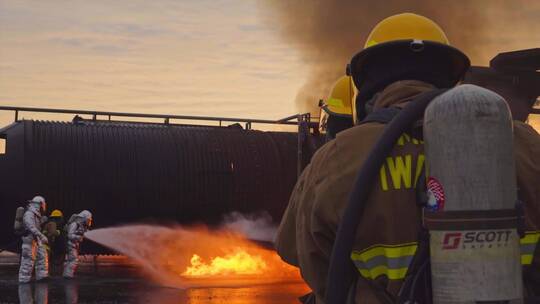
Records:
x=52, y=229
x=75, y=229
x=33, y=242
x=405, y=55
x=336, y=111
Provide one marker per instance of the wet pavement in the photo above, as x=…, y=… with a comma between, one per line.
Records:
x=116, y=280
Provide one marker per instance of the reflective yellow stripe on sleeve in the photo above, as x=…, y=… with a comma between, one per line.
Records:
x=394, y=260
x=528, y=245
x=390, y=260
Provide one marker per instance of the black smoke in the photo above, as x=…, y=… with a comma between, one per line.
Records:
x=329, y=32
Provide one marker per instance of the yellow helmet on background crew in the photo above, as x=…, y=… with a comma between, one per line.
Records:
x=340, y=100
x=405, y=47
x=56, y=213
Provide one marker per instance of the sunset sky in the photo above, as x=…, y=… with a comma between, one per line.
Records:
x=192, y=57
x=204, y=57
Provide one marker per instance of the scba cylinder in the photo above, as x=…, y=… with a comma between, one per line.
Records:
x=474, y=244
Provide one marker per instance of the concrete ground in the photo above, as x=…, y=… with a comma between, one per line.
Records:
x=117, y=280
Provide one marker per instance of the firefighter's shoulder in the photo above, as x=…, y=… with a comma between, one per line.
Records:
x=364, y=132
x=525, y=131
x=526, y=145
x=355, y=143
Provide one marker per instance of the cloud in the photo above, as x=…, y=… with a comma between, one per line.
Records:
x=102, y=46
x=72, y=42
x=4, y=67
x=191, y=57
x=131, y=30
x=109, y=49
x=251, y=28
x=265, y=75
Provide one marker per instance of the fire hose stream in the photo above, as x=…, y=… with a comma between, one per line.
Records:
x=197, y=257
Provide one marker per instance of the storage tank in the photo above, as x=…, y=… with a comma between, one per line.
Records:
x=133, y=172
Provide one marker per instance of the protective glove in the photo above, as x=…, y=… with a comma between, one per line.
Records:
x=42, y=239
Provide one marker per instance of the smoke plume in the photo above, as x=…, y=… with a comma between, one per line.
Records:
x=328, y=33
x=258, y=227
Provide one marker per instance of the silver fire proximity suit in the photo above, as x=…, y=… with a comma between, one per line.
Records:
x=33, y=246
x=75, y=235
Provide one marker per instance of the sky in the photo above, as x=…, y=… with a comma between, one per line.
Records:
x=189, y=57
x=204, y=57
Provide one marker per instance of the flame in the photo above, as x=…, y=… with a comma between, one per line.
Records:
x=238, y=263
x=197, y=256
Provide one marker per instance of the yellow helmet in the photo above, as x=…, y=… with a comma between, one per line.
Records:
x=340, y=100
x=406, y=26
x=56, y=213
x=405, y=47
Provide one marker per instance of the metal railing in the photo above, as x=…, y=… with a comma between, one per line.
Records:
x=290, y=120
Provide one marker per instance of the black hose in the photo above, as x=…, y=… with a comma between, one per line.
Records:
x=342, y=270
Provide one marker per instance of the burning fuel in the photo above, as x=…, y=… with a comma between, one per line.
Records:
x=196, y=257
x=237, y=263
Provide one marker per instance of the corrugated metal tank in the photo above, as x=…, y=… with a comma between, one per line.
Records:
x=138, y=172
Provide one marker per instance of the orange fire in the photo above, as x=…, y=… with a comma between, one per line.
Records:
x=237, y=263
x=198, y=256
x=231, y=259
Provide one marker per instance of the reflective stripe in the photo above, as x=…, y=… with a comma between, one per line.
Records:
x=389, y=260
x=526, y=259
x=392, y=263
x=393, y=260
x=392, y=274
x=391, y=251
x=531, y=237
x=528, y=245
